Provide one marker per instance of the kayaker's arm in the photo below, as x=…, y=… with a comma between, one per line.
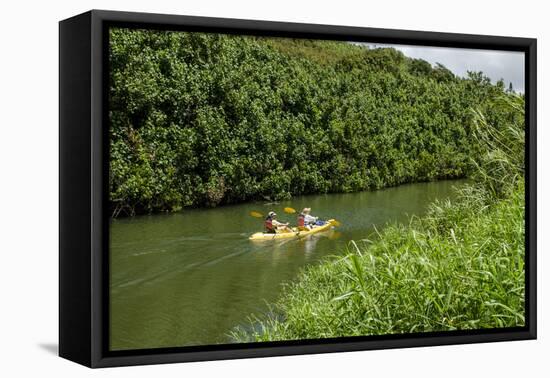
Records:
x=282, y=226
x=277, y=223
x=310, y=219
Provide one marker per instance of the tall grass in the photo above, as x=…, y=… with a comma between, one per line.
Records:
x=503, y=162
x=459, y=267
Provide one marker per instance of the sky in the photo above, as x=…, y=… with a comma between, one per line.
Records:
x=507, y=65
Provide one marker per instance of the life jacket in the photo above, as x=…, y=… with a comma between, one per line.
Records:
x=301, y=220
x=269, y=224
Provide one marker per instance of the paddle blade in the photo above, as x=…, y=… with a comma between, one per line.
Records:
x=289, y=210
x=255, y=214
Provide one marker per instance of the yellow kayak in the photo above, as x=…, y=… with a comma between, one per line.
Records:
x=295, y=234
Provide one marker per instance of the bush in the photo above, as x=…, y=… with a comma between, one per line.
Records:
x=271, y=118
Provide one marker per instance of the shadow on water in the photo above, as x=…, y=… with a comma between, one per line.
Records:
x=189, y=278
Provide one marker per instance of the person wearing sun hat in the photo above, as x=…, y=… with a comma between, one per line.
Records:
x=272, y=226
x=305, y=220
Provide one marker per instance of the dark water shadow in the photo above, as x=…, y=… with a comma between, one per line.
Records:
x=51, y=348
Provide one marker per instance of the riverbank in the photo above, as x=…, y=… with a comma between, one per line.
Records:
x=459, y=267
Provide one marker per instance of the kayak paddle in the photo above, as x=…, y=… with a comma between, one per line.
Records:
x=255, y=214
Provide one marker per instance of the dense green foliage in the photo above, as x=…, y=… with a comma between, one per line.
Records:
x=460, y=267
x=203, y=119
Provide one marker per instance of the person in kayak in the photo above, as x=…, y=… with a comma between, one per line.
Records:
x=272, y=226
x=305, y=220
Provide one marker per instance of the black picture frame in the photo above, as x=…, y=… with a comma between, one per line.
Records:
x=83, y=195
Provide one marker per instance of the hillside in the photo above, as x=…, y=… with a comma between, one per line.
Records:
x=206, y=120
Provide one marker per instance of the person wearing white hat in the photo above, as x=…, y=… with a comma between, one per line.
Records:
x=305, y=220
x=272, y=226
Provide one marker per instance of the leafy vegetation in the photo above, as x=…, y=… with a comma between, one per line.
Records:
x=460, y=267
x=205, y=119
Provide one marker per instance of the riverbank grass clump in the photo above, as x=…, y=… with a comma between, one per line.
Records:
x=460, y=267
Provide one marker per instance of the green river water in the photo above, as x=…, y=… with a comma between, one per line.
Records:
x=189, y=278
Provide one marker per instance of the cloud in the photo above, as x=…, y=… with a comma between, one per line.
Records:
x=506, y=65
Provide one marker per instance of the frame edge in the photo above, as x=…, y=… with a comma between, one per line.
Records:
x=74, y=211
x=97, y=357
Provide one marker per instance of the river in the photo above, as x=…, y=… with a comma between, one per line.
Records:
x=189, y=278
